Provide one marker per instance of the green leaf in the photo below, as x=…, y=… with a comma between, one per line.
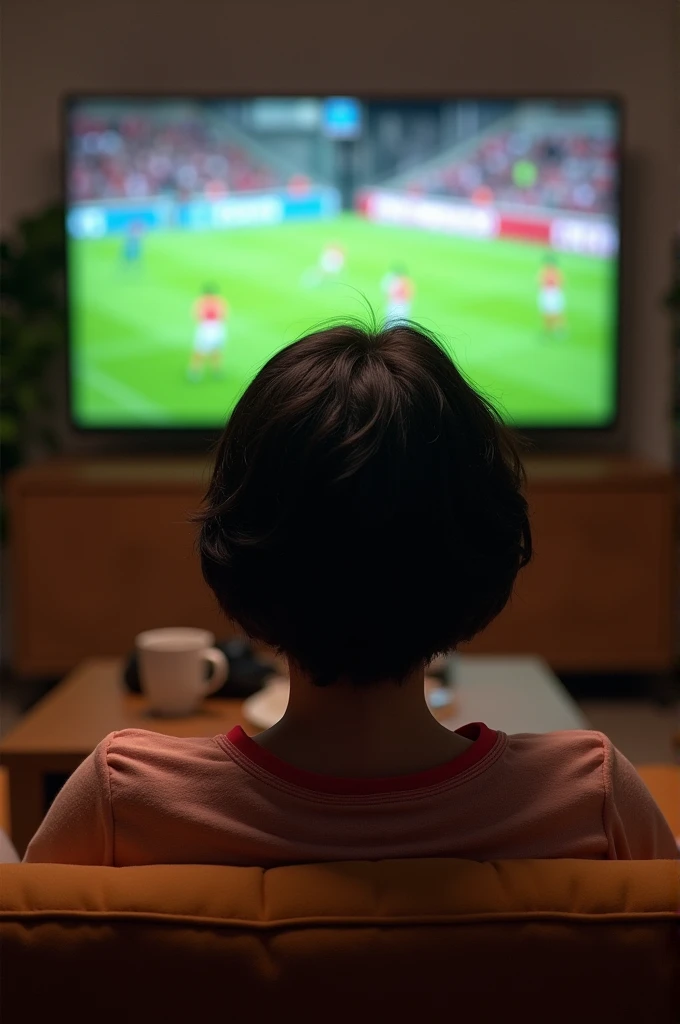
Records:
x=9, y=428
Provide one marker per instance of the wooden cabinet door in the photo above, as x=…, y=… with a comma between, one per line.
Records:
x=92, y=571
x=598, y=594
x=100, y=552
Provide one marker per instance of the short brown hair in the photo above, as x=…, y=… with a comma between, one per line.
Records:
x=366, y=509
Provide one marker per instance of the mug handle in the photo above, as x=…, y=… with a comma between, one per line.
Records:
x=220, y=670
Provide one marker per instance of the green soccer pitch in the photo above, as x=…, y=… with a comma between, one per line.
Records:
x=132, y=326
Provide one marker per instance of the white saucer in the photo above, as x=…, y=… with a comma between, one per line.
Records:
x=266, y=707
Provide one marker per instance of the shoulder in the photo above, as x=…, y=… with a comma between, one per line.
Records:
x=138, y=766
x=575, y=741
x=559, y=775
x=569, y=754
x=140, y=747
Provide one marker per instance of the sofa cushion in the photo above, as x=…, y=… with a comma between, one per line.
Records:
x=553, y=941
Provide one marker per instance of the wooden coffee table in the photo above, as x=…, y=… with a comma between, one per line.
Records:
x=514, y=694
x=65, y=726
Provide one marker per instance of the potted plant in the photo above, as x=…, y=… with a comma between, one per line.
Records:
x=33, y=329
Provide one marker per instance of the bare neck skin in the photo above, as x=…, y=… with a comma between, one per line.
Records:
x=374, y=732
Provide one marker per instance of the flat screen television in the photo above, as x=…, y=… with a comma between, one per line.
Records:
x=205, y=233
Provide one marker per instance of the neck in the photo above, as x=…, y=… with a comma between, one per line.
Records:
x=379, y=730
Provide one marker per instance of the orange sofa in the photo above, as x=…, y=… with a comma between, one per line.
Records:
x=555, y=942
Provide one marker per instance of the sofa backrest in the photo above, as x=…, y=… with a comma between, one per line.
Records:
x=423, y=940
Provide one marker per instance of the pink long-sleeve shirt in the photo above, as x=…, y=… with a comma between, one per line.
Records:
x=144, y=798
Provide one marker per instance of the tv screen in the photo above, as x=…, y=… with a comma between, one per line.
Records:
x=206, y=233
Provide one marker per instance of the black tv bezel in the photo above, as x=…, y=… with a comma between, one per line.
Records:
x=210, y=434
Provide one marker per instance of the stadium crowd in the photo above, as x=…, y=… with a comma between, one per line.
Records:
x=567, y=173
x=133, y=157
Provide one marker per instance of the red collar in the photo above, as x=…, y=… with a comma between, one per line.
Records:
x=483, y=737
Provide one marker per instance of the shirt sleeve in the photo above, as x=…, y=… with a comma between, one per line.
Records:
x=78, y=828
x=636, y=829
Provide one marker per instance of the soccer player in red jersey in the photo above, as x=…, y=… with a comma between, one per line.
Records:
x=551, y=301
x=331, y=264
x=211, y=313
x=332, y=259
x=399, y=291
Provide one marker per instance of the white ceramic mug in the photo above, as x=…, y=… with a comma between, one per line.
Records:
x=172, y=665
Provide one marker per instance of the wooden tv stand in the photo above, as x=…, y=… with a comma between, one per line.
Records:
x=101, y=549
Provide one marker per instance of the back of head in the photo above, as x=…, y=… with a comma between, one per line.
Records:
x=366, y=511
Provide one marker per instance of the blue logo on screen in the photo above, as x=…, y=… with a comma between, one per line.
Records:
x=342, y=117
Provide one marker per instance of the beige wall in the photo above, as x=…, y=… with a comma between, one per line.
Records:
x=624, y=46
